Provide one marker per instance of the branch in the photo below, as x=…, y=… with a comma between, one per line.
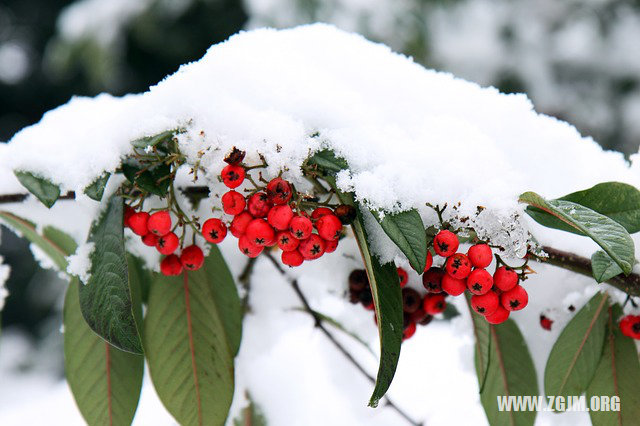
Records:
x=319, y=324
x=629, y=284
x=18, y=198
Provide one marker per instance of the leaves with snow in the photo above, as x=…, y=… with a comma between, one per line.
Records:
x=154, y=180
x=44, y=190
x=105, y=299
x=406, y=230
x=577, y=352
x=95, y=191
x=608, y=234
x=603, y=267
x=153, y=140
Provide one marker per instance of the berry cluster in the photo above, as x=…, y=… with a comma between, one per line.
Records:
x=630, y=326
x=493, y=296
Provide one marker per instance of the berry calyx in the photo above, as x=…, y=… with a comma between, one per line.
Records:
x=480, y=255
x=458, y=266
x=292, y=258
x=479, y=281
x=239, y=224
x=248, y=248
x=171, y=265
x=214, y=231
x=498, y=317
x=404, y=277
x=233, y=202
x=514, y=299
x=280, y=216
x=233, y=175
x=259, y=232
x=485, y=304
x=445, y=243
x=286, y=241
x=505, y=278
x=279, y=191
x=434, y=303
x=159, y=223
x=428, y=262
x=138, y=223
x=432, y=280
x=150, y=240
x=167, y=244
x=300, y=227
x=410, y=300
x=453, y=286
x=329, y=227
x=192, y=258
x=312, y=247
x=259, y=204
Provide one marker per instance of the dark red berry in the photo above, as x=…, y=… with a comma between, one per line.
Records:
x=279, y=191
x=432, y=280
x=159, y=223
x=292, y=258
x=233, y=202
x=138, y=223
x=411, y=300
x=498, y=317
x=428, y=262
x=480, y=255
x=485, y=304
x=434, y=303
x=505, y=278
x=329, y=227
x=192, y=258
x=403, y=276
x=128, y=212
x=458, y=266
x=214, y=231
x=150, y=239
x=259, y=205
x=409, y=331
x=280, y=216
x=453, y=286
x=259, y=232
x=345, y=213
x=330, y=246
x=239, y=224
x=248, y=248
x=445, y=243
x=301, y=227
x=286, y=241
x=171, y=265
x=514, y=299
x=419, y=316
x=358, y=280
x=312, y=247
x=319, y=212
x=479, y=281
x=545, y=322
x=167, y=244
x=233, y=176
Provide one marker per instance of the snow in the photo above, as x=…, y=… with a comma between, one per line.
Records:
x=79, y=263
x=5, y=270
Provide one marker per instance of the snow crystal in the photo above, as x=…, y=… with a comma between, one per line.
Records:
x=80, y=263
x=42, y=257
x=5, y=270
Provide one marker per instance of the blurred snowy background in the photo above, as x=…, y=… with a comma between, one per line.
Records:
x=577, y=60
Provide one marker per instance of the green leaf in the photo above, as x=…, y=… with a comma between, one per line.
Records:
x=95, y=191
x=56, y=247
x=617, y=374
x=105, y=299
x=155, y=180
x=153, y=140
x=104, y=380
x=44, y=190
x=511, y=373
x=327, y=161
x=577, y=352
x=406, y=230
x=251, y=415
x=188, y=351
x=482, y=353
x=608, y=234
x=603, y=267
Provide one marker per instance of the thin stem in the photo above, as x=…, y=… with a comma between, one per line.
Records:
x=245, y=281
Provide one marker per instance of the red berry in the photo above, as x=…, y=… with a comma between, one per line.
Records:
x=233, y=202
x=411, y=300
x=420, y=316
x=498, y=317
x=319, y=212
x=453, y=286
x=329, y=227
x=286, y=241
x=330, y=246
x=128, y=212
x=346, y=213
x=259, y=204
x=279, y=191
x=458, y=266
x=514, y=299
x=239, y=224
x=248, y=248
x=150, y=239
x=259, y=232
x=171, y=265
x=479, y=281
x=504, y=278
x=630, y=326
x=214, y=231
x=434, y=303
x=445, y=243
x=545, y=322
x=159, y=223
x=312, y=248
x=485, y=304
x=409, y=331
x=192, y=258
x=301, y=227
x=292, y=258
x=429, y=262
x=404, y=277
x=432, y=280
x=280, y=216
x=167, y=244
x=232, y=175
x=480, y=255
x=138, y=223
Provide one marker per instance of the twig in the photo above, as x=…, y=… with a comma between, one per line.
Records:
x=71, y=195
x=245, y=280
x=318, y=322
